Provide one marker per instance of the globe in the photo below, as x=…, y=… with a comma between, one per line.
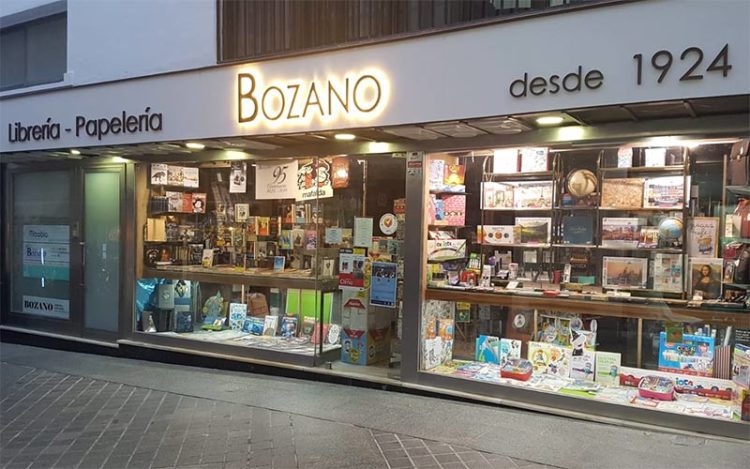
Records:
x=581, y=183
x=670, y=229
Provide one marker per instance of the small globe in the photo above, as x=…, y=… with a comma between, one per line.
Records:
x=670, y=229
x=581, y=183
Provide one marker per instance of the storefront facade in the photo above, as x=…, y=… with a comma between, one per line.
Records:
x=541, y=226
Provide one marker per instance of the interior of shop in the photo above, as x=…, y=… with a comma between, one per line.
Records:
x=300, y=256
x=579, y=271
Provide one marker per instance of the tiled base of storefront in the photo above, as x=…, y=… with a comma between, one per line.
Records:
x=429, y=384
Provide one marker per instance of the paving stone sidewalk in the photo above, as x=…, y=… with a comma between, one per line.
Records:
x=57, y=420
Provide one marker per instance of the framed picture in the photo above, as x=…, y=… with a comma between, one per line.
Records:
x=705, y=278
x=624, y=272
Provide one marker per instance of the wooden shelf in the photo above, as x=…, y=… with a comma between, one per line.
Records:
x=548, y=209
x=625, y=248
x=515, y=245
x=576, y=208
x=673, y=310
x=449, y=193
x=158, y=214
x=740, y=286
x=575, y=246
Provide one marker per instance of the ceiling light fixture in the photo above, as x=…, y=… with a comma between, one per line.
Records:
x=344, y=137
x=549, y=120
x=75, y=152
x=195, y=145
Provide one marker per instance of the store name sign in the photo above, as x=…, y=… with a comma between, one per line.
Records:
x=98, y=127
x=355, y=97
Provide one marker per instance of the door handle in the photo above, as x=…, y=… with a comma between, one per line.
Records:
x=82, y=244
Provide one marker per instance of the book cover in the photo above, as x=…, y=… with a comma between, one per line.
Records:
x=578, y=229
x=624, y=272
x=533, y=194
x=534, y=230
x=311, y=239
x=241, y=212
x=298, y=237
x=534, y=159
x=655, y=157
x=199, y=202
x=505, y=161
x=253, y=325
x=549, y=359
x=158, y=174
x=187, y=202
x=703, y=235
x=454, y=207
x=285, y=239
x=509, y=348
x=454, y=175
x=278, y=263
x=190, y=177
x=263, y=226
x=174, y=175
x=607, y=368
x=649, y=238
x=497, y=195
x=308, y=327
x=289, y=326
x=622, y=193
x=693, y=355
x=620, y=232
x=582, y=365
x=436, y=174
x=486, y=349
x=207, y=259
x=174, y=201
x=237, y=315
x=270, y=325
x=625, y=157
x=668, y=272
x=183, y=321
x=664, y=192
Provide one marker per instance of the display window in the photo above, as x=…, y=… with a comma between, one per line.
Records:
x=614, y=273
x=300, y=256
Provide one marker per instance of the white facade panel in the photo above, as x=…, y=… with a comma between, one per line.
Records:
x=459, y=75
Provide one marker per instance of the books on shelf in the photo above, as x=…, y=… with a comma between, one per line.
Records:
x=703, y=235
x=655, y=157
x=578, y=229
x=664, y=192
x=533, y=195
x=607, y=369
x=549, y=359
x=622, y=193
x=624, y=272
x=534, y=230
x=620, y=232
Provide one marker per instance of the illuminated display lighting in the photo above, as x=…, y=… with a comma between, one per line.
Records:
x=344, y=136
x=195, y=145
x=75, y=152
x=333, y=101
x=549, y=120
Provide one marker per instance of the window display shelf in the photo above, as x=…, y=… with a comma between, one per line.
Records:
x=619, y=248
x=672, y=310
x=514, y=245
x=521, y=176
x=254, y=277
x=641, y=209
x=739, y=190
x=511, y=210
x=575, y=246
x=645, y=169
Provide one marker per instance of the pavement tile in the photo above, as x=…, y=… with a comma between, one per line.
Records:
x=398, y=463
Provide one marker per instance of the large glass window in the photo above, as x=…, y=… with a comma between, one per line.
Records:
x=34, y=53
x=615, y=274
x=299, y=256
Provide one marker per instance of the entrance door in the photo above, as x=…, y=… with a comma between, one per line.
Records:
x=63, y=262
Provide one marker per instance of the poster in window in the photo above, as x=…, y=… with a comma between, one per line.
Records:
x=276, y=180
x=314, y=180
x=383, y=284
x=238, y=178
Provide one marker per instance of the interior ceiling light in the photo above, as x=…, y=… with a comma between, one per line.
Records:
x=344, y=136
x=75, y=152
x=195, y=145
x=549, y=120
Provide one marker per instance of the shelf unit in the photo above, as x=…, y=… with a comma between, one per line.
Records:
x=730, y=197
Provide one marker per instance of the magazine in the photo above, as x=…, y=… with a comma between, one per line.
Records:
x=627, y=272
x=620, y=232
x=664, y=192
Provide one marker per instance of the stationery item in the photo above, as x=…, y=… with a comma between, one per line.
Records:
x=622, y=193
x=498, y=234
x=578, y=229
x=237, y=315
x=533, y=159
x=620, y=232
x=607, y=368
x=664, y=192
x=693, y=355
x=270, y=324
x=703, y=235
x=517, y=368
x=362, y=232
x=624, y=272
x=704, y=278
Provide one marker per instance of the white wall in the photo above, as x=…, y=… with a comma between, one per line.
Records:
x=116, y=39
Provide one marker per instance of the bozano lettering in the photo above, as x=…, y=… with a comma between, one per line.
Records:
x=361, y=94
x=572, y=82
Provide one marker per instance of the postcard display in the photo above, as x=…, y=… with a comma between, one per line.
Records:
x=270, y=255
x=584, y=273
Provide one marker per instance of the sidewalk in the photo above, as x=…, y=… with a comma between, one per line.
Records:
x=66, y=410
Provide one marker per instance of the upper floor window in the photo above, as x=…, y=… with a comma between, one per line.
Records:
x=33, y=52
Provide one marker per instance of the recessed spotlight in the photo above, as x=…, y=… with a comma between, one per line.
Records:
x=235, y=155
x=195, y=145
x=75, y=152
x=549, y=120
x=344, y=136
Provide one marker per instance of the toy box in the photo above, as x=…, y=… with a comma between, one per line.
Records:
x=360, y=347
x=693, y=356
x=656, y=387
x=517, y=368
